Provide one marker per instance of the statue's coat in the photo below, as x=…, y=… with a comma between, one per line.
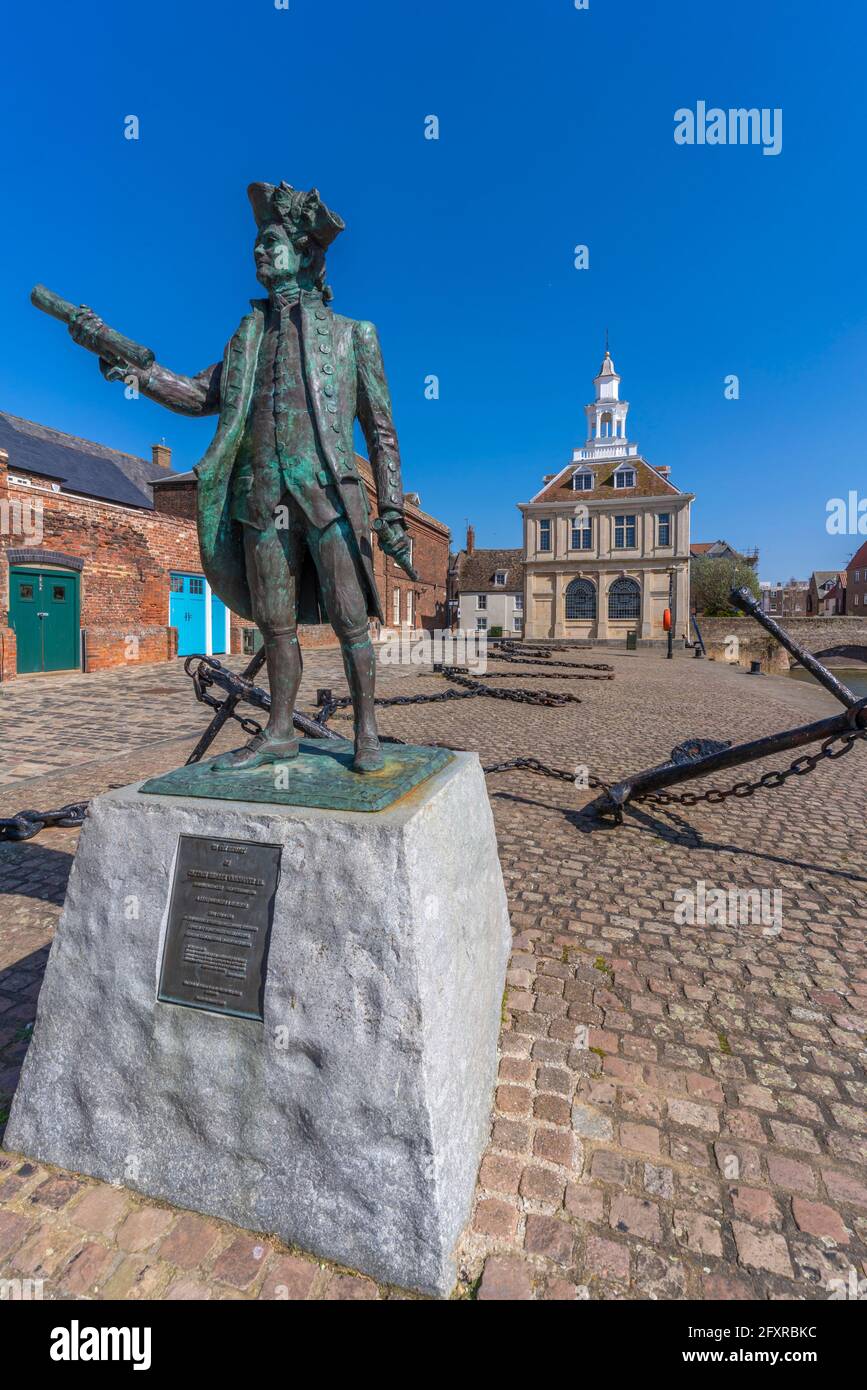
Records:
x=360, y=390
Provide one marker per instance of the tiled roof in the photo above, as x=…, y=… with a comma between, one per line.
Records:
x=859, y=559
x=719, y=550
x=79, y=464
x=648, y=483
x=475, y=573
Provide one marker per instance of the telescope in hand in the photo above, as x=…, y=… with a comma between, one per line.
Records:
x=90, y=331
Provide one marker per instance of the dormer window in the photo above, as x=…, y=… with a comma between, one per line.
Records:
x=500, y=578
x=582, y=480
x=624, y=477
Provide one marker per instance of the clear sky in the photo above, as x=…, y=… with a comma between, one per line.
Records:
x=556, y=129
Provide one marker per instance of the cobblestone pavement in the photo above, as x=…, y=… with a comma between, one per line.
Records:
x=682, y=1107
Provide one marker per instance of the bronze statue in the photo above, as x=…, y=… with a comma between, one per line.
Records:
x=284, y=526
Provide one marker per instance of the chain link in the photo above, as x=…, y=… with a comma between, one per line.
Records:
x=535, y=765
x=471, y=688
x=531, y=656
x=29, y=823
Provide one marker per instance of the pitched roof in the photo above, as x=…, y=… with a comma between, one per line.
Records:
x=81, y=465
x=823, y=577
x=648, y=482
x=476, y=572
x=859, y=559
x=719, y=550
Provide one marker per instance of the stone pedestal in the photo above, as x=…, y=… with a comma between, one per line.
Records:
x=350, y=1120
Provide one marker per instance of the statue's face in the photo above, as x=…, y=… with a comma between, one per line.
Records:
x=277, y=260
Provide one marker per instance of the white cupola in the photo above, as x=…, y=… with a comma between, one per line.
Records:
x=606, y=417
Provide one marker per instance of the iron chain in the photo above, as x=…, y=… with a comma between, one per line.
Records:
x=29, y=823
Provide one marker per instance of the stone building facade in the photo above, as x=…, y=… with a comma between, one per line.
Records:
x=100, y=564
x=606, y=540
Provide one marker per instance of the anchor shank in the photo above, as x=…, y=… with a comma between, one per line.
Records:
x=744, y=600
x=668, y=774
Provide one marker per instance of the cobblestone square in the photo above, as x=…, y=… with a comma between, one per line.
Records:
x=682, y=1105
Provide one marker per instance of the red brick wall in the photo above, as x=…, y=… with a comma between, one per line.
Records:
x=430, y=558
x=176, y=499
x=128, y=554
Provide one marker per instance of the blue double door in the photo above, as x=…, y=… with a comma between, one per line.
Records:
x=188, y=599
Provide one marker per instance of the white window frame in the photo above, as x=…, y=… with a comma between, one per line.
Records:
x=578, y=529
x=664, y=518
x=395, y=607
x=482, y=601
x=545, y=521
x=481, y=624
x=582, y=479
x=500, y=578
x=410, y=595
x=621, y=473
x=626, y=519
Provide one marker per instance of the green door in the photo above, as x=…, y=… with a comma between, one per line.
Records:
x=43, y=610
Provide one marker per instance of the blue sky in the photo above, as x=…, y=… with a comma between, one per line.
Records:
x=556, y=129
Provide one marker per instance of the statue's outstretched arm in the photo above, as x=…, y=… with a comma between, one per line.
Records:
x=188, y=395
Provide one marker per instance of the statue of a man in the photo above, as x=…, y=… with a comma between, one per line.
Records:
x=284, y=527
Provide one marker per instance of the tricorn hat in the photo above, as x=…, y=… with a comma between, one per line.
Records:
x=302, y=214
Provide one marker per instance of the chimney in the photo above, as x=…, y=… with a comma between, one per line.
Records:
x=664, y=470
x=471, y=539
x=162, y=456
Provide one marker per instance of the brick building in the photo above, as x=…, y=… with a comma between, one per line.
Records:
x=100, y=565
x=787, y=600
x=856, y=584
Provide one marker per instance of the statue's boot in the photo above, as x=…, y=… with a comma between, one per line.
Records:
x=277, y=743
x=359, y=663
x=262, y=749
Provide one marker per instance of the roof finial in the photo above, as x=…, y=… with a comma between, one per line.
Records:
x=607, y=353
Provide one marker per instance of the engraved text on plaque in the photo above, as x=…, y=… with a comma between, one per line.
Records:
x=219, y=922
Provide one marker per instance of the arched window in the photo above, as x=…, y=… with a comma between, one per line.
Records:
x=624, y=599
x=581, y=599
